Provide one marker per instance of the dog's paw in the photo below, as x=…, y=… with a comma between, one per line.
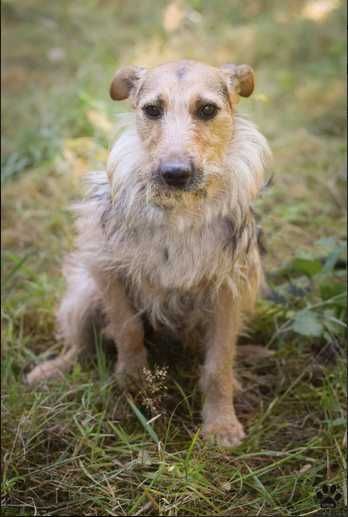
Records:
x=224, y=433
x=41, y=372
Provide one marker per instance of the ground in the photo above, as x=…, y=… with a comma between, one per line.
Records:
x=76, y=446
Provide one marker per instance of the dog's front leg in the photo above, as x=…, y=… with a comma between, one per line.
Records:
x=126, y=329
x=220, y=422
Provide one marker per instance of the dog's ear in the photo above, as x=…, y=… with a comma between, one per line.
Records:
x=241, y=78
x=125, y=81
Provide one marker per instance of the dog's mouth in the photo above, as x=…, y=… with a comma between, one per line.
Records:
x=167, y=196
x=201, y=187
x=192, y=185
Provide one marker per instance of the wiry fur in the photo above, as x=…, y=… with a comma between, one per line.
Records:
x=173, y=254
x=189, y=261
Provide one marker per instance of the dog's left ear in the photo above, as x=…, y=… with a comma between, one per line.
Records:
x=241, y=78
x=125, y=81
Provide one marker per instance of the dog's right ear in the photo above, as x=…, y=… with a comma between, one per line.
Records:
x=125, y=81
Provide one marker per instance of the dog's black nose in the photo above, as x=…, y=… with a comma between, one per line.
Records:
x=176, y=174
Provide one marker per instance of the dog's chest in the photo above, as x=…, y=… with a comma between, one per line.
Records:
x=171, y=258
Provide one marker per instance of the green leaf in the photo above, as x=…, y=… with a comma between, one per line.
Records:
x=306, y=323
x=330, y=289
x=333, y=257
x=307, y=266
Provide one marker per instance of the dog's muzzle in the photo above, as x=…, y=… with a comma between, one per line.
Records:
x=177, y=174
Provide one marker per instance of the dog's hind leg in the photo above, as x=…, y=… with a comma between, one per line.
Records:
x=76, y=316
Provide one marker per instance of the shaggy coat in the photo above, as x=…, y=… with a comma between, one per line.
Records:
x=186, y=259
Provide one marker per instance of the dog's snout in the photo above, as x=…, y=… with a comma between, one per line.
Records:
x=176, y=174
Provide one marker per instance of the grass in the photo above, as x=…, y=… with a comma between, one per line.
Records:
x=77, y=446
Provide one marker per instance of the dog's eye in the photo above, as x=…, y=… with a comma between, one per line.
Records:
x=152, y=111
x=207, y=111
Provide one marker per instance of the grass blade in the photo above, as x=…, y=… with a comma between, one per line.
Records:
x=148, y=427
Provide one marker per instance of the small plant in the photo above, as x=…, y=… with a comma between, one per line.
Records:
x=307, y=297
x=155, y=390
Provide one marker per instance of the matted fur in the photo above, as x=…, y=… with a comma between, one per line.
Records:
x=187, y=260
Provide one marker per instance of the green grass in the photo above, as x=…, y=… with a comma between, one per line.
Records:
x=78, y=446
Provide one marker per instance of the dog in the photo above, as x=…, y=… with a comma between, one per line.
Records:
x=168, y=232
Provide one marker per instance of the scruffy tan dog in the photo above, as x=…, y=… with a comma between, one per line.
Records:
x=168, y=231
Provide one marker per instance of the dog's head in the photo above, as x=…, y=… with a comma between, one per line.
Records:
x=185, y=120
